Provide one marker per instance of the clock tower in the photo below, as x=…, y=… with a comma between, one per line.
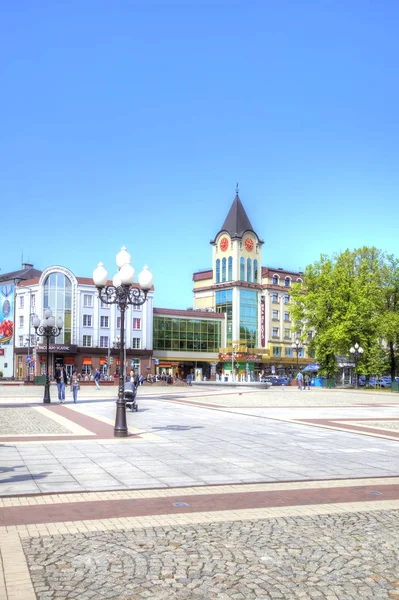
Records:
x=234, y=285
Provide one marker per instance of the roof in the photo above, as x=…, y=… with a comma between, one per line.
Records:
x=200, y=276
x=21, y=274
x=280, y=271
x=175, y=312
x=237, y=222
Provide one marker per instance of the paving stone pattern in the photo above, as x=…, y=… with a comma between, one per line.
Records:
x=332, y=557
x=27, y=421
x=381, y=424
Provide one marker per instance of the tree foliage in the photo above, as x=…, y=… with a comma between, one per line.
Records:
x=351, y=297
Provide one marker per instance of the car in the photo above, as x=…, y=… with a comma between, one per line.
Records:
x=382, y=383
x=281, y=381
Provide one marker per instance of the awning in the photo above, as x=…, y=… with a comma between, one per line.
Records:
x=86, y=360
x=103, y=361
x=69, y=360
x=42, y=359
x=117, y=362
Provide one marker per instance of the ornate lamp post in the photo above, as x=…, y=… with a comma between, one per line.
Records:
x=123, y=294
x=356, y=352
x=297, y=346
x=47, y=328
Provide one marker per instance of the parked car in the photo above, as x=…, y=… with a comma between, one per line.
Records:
x=281, y=381
x=380, y=382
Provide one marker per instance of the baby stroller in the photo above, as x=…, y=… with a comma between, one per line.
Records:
x=130, y=395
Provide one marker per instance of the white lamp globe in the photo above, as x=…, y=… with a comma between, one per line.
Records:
x=116, y=281
x=47, y=313
x=100, y=275
x=60, y=323
x=36, y=322
x=123, y=258
x=352, y=350
x=43, y=323
x=145, y=279
x=51, y=321
x=126, y=274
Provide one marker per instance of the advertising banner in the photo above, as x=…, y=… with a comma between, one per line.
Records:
x=262, y=322
x=7, y=328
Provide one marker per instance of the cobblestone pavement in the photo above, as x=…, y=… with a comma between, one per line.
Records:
x=27, y=421
x=330, y=557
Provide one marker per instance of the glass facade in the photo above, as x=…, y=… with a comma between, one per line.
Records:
x=224, y=303
x=58, y=297
x=248, y=318
x=186, y=335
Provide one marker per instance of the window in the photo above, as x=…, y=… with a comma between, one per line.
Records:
x=218, y=270
x=21, y=301
x=275, y=315
x=104, y=321
x=299, y=280
x=286, y=299
x=255, y=271
x=136, y=343
x=249, y=269
x=276, y=350
x=301, y=353
x=21, y=321
x=103, y=341
x=87, y=300
x=289, y=352
x=286, y=316
x=87, y=320
x=185, y=335
x=86, y=370
x=21, y=340
x=33, y=302
x=310, y=335
x=224, y=269
x=242, y=269
x=57, y=293
x=87, y=341
x=103, y=305
x=230, y=269
x=275, y=280
x=275, y=332
x=287, y=334
x=287, y=282
x=136, y=323
x=249, y=318
x=275, y=298
x=224, y=303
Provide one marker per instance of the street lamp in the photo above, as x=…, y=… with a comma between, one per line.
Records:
x=356, y=352
x=297, y=346
x=122, y=293
x=47, y=328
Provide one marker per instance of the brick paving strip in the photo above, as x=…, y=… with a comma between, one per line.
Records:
x=238, y=498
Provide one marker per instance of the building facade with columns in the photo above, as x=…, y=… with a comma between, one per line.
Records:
x=89, y=337
x=255, y=299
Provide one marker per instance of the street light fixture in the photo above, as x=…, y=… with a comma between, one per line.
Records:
x=356, y=352
x=297, y=346
x=123, y=294
x=47, y=328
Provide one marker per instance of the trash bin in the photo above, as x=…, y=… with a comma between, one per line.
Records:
x=226, y=378
x=395, y=386
x=328, y=383
x=317, y=381
x=40, y=379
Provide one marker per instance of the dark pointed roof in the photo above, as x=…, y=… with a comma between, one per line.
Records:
x=237, y=220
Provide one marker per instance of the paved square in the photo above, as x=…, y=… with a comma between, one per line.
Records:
x=217, y=493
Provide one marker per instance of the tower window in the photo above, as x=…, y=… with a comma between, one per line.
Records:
x=249, y=269
x=255, y=271
x=218, y=271
x=230, y=269
x=224, y=269
x=242, y=268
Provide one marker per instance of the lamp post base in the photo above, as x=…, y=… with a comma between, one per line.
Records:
x=46, y=397
x=120, y=429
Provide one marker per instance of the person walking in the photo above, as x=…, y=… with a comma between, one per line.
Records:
x=307, y=382
x=62, y=380
x=97, y=377
x=300, y=380
x=75, y=386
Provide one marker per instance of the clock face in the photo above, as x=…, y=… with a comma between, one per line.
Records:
x=224, y=244
x=249, y=245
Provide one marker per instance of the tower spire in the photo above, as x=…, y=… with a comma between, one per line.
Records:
x=237, y=190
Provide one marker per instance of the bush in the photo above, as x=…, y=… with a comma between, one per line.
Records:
x=1, y=374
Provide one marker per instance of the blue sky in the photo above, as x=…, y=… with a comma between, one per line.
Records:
x=129, y=122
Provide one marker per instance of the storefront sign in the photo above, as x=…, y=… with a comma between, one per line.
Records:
x=262, y=322
x=56, y=348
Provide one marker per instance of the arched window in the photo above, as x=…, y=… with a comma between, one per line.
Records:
x=255, y=271
x=275, y=280
x=299, y=280
x=224, y=269
x=218, y=271
x=242, y=268
x=230, y=269
x=287, y=282
x=249, y=269
x=57, y=295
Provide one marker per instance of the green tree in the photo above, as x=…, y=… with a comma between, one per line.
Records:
x=343, y=300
